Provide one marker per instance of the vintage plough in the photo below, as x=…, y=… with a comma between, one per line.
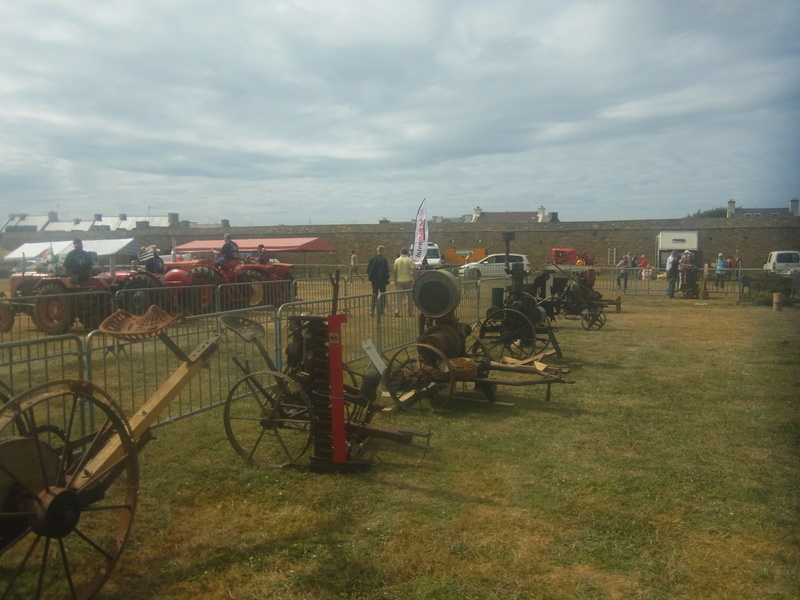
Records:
x=450, y=356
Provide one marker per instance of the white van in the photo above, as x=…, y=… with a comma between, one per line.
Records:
x=783, y=262
x=433, y=256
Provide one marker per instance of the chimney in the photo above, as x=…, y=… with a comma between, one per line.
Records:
x=731, y=208
x=185, y=224
x=793, y=207
x=226, y=223
x=554, y=217
x=173, y=220
x=76, y=221
x=52, y=216
x=123, y=217
x=384, y=222
x=98, y=217
x=541, y=214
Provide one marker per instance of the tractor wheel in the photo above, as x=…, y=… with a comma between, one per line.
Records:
x=52, y=310
x=140, y=294
x=206, y=280
x=6, y=317
x=281, y=291
x=580, y=261
x=258, y=288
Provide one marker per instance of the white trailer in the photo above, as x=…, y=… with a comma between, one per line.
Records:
x=667, y=241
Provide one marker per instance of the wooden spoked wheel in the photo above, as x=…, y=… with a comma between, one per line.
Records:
x=63, y=523
x=593, y=320
x=268, y=419
x=419, y=378
x=508, y=332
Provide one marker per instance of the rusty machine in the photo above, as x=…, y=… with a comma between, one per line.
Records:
x=69, y=470
x=450, y=354
x=273, y=418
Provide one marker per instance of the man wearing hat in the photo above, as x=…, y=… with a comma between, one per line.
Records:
x=229, y=251
x=722, y=269
x=78, y=262
x=672, y=273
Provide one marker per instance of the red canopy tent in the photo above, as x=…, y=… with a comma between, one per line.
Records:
x=308, y=244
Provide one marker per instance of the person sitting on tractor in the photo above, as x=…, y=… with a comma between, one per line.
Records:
x=78, y=263
x=229, y=251
x=262, y=257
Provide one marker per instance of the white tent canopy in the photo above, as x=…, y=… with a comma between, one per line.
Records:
x=103, y=248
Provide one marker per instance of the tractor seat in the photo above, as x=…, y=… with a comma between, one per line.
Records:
x=132, y=328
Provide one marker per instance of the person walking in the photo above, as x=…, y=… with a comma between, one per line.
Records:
x=78, y=263
x=403, y=272
x=672, y=273
x=353, y=264
x=722, y=269
x=378, y=275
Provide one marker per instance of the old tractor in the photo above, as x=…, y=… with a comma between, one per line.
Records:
x=55, y=301
x=570, y=256
x=200, y=287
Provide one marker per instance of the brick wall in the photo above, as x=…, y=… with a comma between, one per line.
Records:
x=755, y=237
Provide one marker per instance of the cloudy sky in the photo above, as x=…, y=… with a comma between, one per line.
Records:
x=349, y=111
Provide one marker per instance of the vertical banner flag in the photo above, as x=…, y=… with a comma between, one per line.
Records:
x=420, y=246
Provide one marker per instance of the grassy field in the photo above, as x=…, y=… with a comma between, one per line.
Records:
x=668, y=470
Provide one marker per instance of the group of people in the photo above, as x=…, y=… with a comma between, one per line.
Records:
x=680, y=267
x=626, y=264
x=379, y=275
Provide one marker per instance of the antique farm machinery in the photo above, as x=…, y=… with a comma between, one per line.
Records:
x=572, y=296
x=273, y=418
x=449, y=353
x=69, y=473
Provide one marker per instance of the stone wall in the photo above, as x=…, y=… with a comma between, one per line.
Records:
x=604, y=239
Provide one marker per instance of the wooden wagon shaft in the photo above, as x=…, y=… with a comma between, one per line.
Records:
x=140, y=423
x=521, y=382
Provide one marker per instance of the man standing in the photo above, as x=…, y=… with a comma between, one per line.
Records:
x=403, y=270
x=722, y=269
x=78, y=262
x=353, y=263
x=378, y=275
x=229, y=251
x=672, y=273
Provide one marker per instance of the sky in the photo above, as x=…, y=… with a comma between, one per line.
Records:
x=351, y=111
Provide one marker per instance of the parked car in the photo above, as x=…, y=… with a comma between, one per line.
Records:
x=783, y=262
x=493, y=266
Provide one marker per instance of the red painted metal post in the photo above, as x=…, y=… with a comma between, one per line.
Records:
x=335, y=322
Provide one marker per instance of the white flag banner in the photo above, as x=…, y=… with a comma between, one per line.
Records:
x=420, y=245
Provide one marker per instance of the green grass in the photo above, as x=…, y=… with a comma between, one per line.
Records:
x=668, y=470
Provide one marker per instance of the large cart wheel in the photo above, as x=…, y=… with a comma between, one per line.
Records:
x=508, y=332
x=268, y=419
x=592, y=320
x=52, y=310
x=419, y=372
x=62, y=526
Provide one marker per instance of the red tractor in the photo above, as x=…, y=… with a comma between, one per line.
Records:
x=55, y=301
x=569, y=256
x=195, y=284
